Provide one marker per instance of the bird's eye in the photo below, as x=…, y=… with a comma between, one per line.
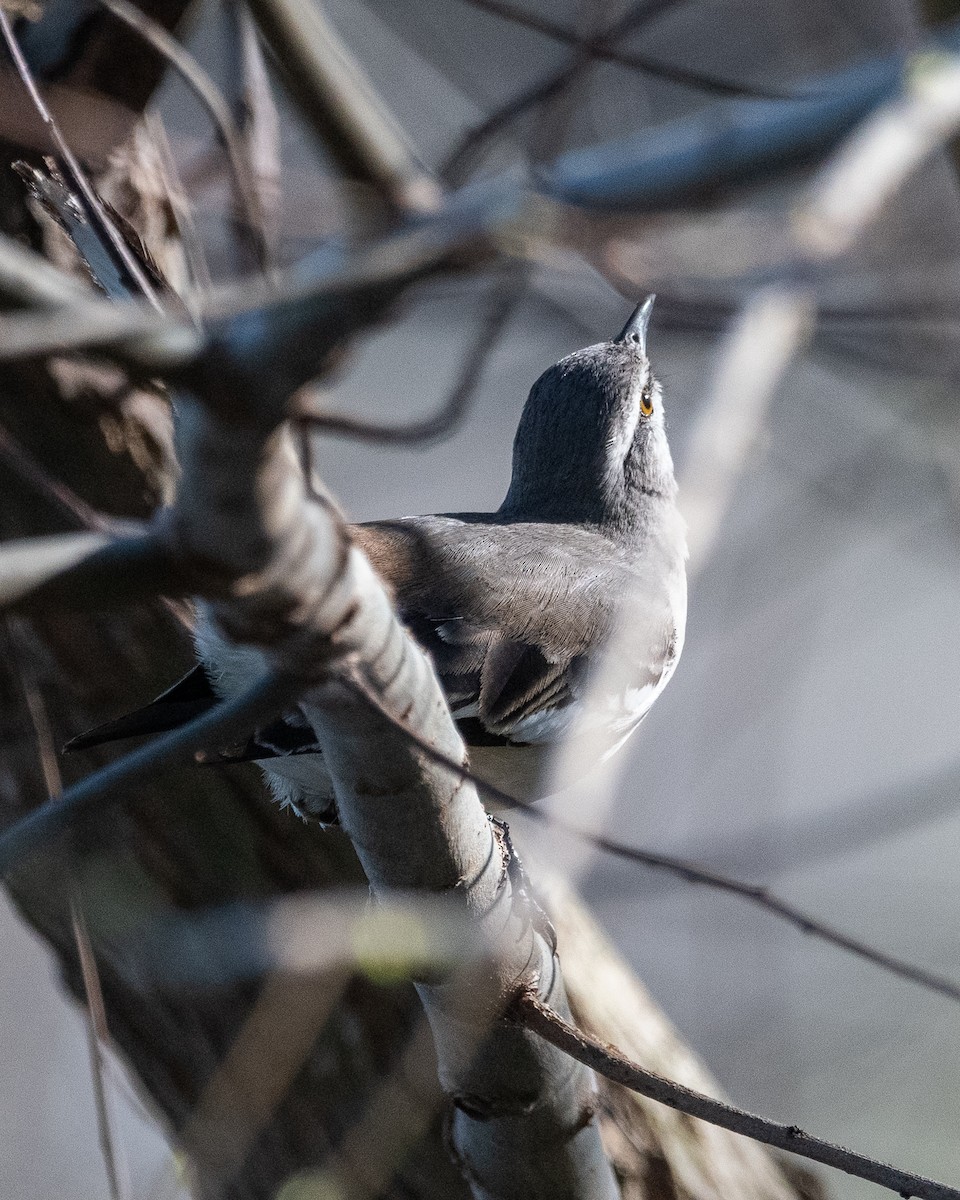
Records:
x=646, y=400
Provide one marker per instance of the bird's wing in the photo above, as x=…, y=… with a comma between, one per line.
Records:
x=511, y=613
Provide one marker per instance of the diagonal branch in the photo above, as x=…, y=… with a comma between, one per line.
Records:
x=336, y=97
x=681, y=868
x=226, y=721
x=448, y=417
x=606, y=1061
x=83, y=571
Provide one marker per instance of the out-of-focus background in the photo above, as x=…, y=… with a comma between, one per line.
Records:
x=810, y=739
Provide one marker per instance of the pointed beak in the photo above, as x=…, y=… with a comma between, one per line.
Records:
x=635, y=329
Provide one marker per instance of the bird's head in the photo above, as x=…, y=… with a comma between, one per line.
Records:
x=591, y=444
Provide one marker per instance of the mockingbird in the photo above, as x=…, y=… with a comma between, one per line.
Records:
x=513, y=606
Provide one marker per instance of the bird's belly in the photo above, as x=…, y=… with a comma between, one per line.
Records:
x=301, y=782
x=517, y=770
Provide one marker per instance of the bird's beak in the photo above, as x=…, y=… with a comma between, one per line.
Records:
x=635, y=329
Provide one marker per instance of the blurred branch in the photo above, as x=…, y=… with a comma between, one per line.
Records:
x=403, y=936
x=694, y=158
x=95, y=1020
x=98, y=1039
x=83, y=571
x=457, y=164
x=258, y=119
x=212, y=99
x=36, y=477
x=336, y=97
x=610, y=1063
x=448, y=417
x=181, y=209
x=882, y=154
x=751, y=362
x=338, y=289
x=95, y=210
x=673, y=163
x=601, y=48
x=28, y=281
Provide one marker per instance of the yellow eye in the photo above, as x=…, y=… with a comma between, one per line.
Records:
x=646, y=401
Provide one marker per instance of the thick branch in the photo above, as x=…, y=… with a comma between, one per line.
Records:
x=289, y=580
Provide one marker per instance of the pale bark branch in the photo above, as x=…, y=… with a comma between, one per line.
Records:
x=309, y=597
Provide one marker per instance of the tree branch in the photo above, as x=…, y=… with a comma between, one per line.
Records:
x=605, y=1060
x=601, y=48
x=212, y=99
x=336, y=97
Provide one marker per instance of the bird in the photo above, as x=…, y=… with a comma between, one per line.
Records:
x=514, y=607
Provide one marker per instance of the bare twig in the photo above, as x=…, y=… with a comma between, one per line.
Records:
x=316, y=290
x=605, y=1060
x=601, y=48
x=196, y=258
x=98, y=1037
x=446, y=418
x=18, y=459
x=457, y=164
x=210, y=96
x=95, y=1017
x=682, y=868
x=259, y=121
x=95, y=209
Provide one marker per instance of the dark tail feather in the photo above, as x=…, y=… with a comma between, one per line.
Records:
x=188, y=698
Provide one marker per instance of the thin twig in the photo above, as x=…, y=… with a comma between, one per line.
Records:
x=457, y=164
x=18, y=459
x=689, y=871
x=196, y=258
x=95, y=209
x=532, y=1014
x=95, y=1016
x=98, y=1036
x=446, y=418
x=210, y=96
x=598, y=48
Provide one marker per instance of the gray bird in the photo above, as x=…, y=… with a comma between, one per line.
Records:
x=513, y=606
